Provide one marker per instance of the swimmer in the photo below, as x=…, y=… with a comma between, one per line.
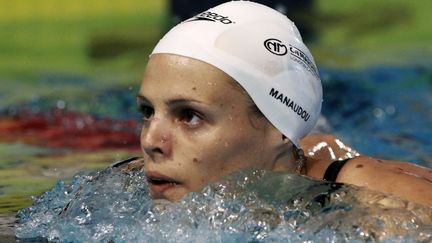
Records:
x=234, y=88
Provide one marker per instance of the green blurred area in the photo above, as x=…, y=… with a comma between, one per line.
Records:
x=73, y=48
x=355, y=33
x=60, y=35
x=108, y=42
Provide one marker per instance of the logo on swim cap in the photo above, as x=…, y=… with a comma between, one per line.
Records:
x=301, y=58
x=275, y=46
x=210, y=16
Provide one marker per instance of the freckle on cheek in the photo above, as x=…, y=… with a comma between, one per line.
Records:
x=194, y=88
x=359, y=166
x=196, y=161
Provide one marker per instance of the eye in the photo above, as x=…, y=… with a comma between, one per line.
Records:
x=145, y=108
x=146, y=111
x=190, y=117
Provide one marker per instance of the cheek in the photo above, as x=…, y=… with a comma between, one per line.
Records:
x=226, y=148
x=232, y=149
x=204, y=161
x=142, y=135
x=244, y=144
x=198, y=172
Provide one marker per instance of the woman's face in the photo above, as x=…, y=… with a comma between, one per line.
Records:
x=197, y=127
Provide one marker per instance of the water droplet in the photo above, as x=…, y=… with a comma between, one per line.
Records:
x=378, y=113
x=61, y=104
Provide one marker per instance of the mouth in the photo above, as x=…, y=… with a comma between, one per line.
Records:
x=160, y=183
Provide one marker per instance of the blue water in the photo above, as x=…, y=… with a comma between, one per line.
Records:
x=381, y=111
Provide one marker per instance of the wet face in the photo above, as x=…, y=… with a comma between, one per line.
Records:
x=198, y=127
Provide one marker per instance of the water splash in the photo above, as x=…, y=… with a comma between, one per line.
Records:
x=248, y=206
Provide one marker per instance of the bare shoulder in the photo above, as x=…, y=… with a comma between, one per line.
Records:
x=326, y=147
x=402, y=179
x=406, y=180
x=321, y=150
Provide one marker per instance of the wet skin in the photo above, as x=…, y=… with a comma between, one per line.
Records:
x=405, y=180
x=198, y=127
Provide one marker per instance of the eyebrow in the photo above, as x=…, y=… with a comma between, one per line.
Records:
x=142, y=98
x=173, y=102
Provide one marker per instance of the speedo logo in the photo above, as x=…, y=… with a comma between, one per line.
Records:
x=213, y=17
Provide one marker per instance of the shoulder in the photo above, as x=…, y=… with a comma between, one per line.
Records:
x=402, y=179
x=326, y=147
x=357, y=169
x=321, y=151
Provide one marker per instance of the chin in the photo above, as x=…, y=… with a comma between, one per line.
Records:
x=173, y=194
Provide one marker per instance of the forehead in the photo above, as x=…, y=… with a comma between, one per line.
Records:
x=182, y=76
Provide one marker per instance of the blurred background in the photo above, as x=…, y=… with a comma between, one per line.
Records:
x=70, y=70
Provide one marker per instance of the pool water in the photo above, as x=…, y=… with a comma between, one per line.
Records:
x=249, y=206
x=384, y=111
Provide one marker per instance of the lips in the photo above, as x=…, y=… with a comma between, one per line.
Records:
x=160, y=183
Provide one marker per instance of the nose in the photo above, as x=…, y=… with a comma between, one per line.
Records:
x=156, y=139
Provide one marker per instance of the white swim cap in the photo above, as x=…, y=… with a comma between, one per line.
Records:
x=263, y=51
